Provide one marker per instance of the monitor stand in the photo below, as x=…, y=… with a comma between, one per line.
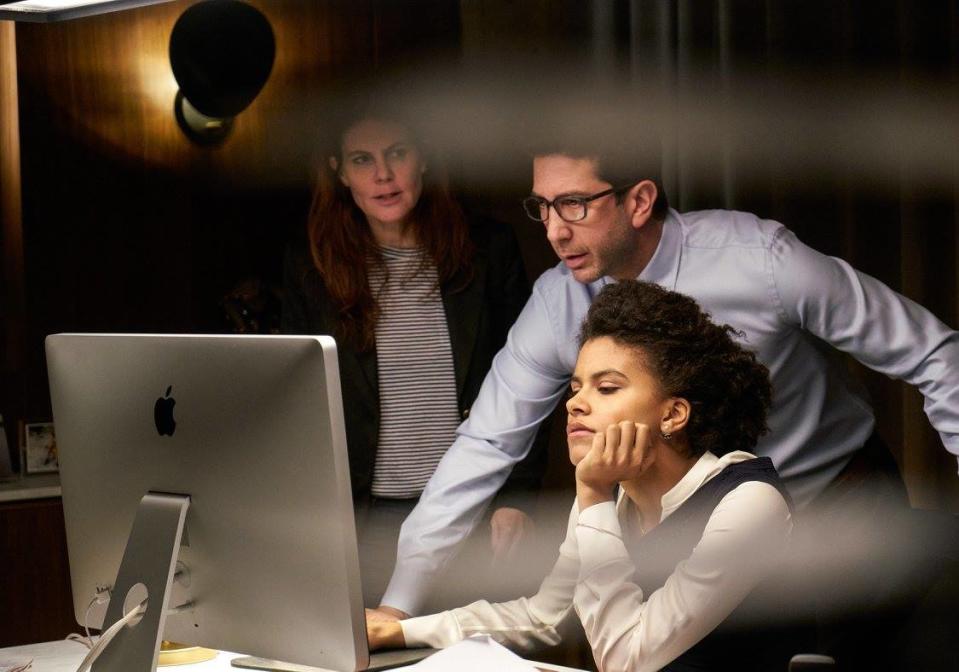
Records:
x=149, y=562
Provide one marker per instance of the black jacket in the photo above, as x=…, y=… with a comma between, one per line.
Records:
x=478, y=317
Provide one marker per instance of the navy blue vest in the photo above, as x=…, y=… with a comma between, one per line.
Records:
x=738, y=643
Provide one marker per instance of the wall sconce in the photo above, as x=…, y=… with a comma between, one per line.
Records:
x=221, y=52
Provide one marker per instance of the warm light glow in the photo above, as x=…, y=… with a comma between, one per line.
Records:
x=158, y=83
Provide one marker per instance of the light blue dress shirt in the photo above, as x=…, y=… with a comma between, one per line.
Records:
x=786, y=299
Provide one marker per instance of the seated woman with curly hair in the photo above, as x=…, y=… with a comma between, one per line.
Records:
x=675, y=526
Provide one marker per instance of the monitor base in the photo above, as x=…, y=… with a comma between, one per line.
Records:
x=174, y=653
x=383, y=660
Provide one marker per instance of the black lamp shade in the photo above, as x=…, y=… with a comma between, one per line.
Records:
x=221, y=52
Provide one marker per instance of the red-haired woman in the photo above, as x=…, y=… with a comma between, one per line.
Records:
x=419, y=300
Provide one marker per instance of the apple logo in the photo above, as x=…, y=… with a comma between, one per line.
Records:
x=163, y=414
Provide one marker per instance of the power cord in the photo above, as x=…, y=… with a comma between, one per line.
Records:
x=109, y=634
x=96, y=648
x=102, y=596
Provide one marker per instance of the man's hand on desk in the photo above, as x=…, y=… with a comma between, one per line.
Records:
x=508, y=527
x=384, y=632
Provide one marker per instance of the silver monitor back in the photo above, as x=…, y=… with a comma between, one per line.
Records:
x=259, y=446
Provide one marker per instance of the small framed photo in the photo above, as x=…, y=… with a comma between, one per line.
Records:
x=40, y=448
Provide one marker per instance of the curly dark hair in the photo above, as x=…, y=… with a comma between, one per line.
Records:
x=692, y=358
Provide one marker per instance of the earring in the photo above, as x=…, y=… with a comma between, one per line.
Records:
x=666, y=435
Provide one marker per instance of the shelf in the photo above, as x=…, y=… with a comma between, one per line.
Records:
x=34, y=486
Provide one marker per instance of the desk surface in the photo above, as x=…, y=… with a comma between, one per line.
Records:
x=65, y=656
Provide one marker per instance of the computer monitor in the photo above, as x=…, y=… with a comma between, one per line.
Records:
x=248, y=432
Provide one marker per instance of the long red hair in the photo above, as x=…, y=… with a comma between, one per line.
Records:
x=341, y=243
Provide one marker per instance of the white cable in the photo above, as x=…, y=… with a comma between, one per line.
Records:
x=86, y=619
x=114, y=630
x=74, y=637
x=109, y=634
x=102, y=595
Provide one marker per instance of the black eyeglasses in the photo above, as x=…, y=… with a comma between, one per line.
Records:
x=569, y=208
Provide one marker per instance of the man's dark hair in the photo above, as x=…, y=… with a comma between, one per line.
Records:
x=624, y=156
x=692, y=358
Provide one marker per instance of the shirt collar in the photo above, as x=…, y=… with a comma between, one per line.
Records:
x=705, y=468
x=699, y=473
x=663, y=268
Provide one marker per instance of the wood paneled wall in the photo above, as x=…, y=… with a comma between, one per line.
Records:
x=129, y=226
x=12, y=318
x=35, y=574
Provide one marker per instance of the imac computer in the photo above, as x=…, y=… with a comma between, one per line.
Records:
x=209, y=475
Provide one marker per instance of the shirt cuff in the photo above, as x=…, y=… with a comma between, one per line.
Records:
x=601, y=516
x=408, y=587
x=599, y=537
x=436, y=630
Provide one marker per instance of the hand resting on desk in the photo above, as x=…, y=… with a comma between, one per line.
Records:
x=385, y=613
x=384, y=634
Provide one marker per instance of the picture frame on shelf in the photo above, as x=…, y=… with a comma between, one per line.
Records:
x=40, y=448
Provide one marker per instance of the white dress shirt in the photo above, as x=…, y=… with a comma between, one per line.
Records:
x=627, y=629
x=785, y=298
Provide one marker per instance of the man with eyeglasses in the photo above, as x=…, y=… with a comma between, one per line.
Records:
x=606, y=224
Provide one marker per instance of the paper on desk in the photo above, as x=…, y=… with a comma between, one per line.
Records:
x=15, y=664
x=476, y=654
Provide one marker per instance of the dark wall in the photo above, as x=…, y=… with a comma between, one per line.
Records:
x=811, y=113
x=836, y=118
x=128, y=226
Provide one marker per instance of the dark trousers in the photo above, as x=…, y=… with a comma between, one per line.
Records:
x=870, y=482
x=867, y=565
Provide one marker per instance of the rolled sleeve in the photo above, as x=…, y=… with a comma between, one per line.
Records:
x=436, y=630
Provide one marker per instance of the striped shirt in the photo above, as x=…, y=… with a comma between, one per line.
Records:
x=417, y=384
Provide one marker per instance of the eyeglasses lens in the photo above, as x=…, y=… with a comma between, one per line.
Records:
x=536, y=208
x=570, y=209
